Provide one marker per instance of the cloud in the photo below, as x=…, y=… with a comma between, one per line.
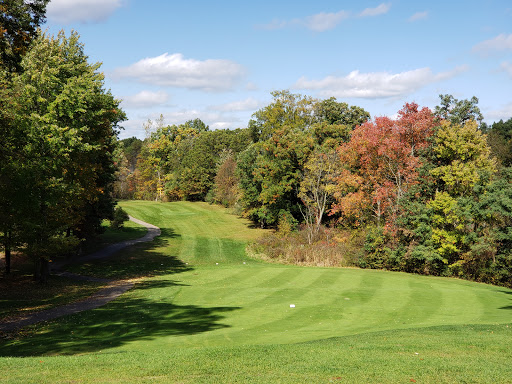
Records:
x=501, y=42
x=176, y=71
x=319, y=22
x=82, y=11
x=324, y=21
x=145, y=99
x=251, y=87
x=503, y=113
x=507, y=67
x=375, y=85
x=275, y=24
x=249, y=104
x=379, y=10
x=223, y=125
x=418, y=16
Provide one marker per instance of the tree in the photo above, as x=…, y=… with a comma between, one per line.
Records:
x=458, y=111
x=316, y=189
x=499, y=138
x=381, y=163
x=463, y=157
x=226, y=191
x=463, y=164
x=285, y=134
x=19, y=21
x=69, y=132
x=12, y=183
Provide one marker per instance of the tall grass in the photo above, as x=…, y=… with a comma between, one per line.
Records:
x=330, y=247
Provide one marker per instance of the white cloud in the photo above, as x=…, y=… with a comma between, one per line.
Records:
x=176, y=71
x=418, y=16
x=82, y=11
x=503, y=113
x=324, y=21
x=501, y=42
x=275, y=24
x=375, y=85
x=319, y=22
x=249, y=104
x=507, y=67
x=145, y=99
x=222, y=125
x=379, y=10
x=251, y=87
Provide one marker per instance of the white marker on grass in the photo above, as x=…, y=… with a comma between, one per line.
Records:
x=292, y=305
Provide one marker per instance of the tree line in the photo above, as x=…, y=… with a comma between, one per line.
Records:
x=429, y=190
x=58, y=134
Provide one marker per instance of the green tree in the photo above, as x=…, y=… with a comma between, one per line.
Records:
x=285, y=134
x=316, y=189
x=335, y=121
x=271, y=169
x=499, y=138
x=458, y=111
x=463, y=171
x=463, y=157
x=70, y=128
x=12, y=183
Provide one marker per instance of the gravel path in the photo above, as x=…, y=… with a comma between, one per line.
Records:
x=112, y=291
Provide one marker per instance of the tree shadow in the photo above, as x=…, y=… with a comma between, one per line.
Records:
x=509, y=307
x=121, y=321
x=137, y=260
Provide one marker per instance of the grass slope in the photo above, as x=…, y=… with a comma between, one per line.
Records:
x=210, y=314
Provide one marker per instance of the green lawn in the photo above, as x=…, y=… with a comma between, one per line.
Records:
x=207, y=313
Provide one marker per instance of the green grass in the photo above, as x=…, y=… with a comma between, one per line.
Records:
x=210, y=314
x=129, y=231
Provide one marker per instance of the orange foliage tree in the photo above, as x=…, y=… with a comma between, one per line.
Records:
x=379, y=164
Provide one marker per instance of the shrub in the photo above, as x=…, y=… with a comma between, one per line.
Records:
x=120, y=216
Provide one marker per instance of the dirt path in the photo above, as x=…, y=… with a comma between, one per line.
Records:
x=112, y=290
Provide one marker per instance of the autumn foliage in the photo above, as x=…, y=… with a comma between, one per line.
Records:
x=379, y=164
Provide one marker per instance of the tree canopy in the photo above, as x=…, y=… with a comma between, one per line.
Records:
x=62, y=132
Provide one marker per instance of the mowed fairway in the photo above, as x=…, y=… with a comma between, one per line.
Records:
x=210, y=314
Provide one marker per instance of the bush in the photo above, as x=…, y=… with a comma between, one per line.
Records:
x=377, y=253
x=120, y=216
x=332, y=247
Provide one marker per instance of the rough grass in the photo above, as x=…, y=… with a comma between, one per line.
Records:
x=210, y=314
x=330, y=247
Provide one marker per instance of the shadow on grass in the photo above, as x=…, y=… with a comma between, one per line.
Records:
x=139, y=260
x=509, y=307
x=120, y=322
x=145, y=313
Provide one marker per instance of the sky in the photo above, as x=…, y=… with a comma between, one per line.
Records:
x=220, y=60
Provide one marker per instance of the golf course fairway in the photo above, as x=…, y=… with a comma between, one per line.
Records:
x=208, y=313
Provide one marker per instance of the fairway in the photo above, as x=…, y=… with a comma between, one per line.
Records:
x=243, y=320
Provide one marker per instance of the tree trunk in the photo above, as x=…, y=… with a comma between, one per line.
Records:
x=7, y=260
x=7, y=250
x=42, y=270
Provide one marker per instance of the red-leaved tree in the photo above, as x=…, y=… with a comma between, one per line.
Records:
x=380, y=163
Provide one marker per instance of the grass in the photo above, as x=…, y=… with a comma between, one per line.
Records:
x=129, y=231
x=207, y=313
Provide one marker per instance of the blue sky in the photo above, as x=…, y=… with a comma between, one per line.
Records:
x=219, y=60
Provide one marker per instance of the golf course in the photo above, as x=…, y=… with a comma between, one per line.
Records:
x=203, y=311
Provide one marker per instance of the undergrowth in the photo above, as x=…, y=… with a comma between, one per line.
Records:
x=330, y=247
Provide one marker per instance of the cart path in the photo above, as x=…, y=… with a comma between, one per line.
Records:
x=113, y=289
